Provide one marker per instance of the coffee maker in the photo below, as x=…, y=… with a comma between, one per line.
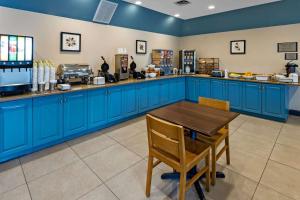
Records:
x=121, y=66
x=290, y=68
x=16, y=63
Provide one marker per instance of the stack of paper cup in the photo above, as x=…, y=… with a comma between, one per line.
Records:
x=35, y=77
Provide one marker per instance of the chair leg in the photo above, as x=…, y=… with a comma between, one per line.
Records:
x=182, y=186
x=213, y=164
x=227, y=150
x=207, y=164
x=149, y=176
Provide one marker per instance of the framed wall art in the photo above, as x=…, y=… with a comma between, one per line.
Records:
x=238, y=47
x=287, y=47
x=141, y=47
x=70, y=42
x=291, y=56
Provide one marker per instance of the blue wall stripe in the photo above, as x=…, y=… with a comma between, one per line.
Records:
x=272, y=14
x=127, y=15
x=137, y=17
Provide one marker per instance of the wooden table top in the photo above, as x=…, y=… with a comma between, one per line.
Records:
x=196, y=117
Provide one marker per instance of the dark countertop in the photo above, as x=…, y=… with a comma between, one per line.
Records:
x=126, y=82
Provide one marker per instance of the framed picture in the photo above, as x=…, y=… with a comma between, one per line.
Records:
x=141, y=47
x=291, y=56
x=70, y=42
x=287, y=47
x=238, y=47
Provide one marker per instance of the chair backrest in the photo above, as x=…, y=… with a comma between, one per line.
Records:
x=214, y=103
x=166, y=139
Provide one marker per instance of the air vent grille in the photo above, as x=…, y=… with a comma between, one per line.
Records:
x=105, y=11
x=182, y=3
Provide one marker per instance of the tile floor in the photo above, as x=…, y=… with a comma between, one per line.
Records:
x=111, y=165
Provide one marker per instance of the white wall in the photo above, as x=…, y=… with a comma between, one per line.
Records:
x=261, y=51
x=97, y=40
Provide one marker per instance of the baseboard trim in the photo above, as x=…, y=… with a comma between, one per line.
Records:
x=294, y=112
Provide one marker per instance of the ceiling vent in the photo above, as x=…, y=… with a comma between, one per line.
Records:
x=182, y=3
x=105, y=11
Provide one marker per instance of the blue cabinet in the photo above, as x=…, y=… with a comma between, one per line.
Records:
x=143, y=100
x=191, y=92
x=203, y=88
x=235, y=94
x=15, y=127
x=75, y=113
x=218, y=89
x=164, y=92
x=252, y=97
x=273, y=100
x=114, y=104
x=154, y=94
x=47, y=119
x=97, y=108
x=130, y=105
x=177, y=89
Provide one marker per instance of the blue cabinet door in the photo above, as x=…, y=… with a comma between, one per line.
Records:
x=15, y=128
x=75, y=113
x=177, y=89
x=234, y=94
x=143, y=101
x=191, y=93
x=164, y=92
x=274, y=100
x=218, y=89
x=203, y=88
x=130, y=105
x=97, y=108
x=47, y=119
x=154, y=94
x=115, y=104
x=252, y=101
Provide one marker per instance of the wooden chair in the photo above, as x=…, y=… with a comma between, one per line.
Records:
x=216, y=140
x=168, y=145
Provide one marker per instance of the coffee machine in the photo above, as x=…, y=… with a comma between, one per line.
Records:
x=16, y=63
x=109, y=78
x=290, y=68
x=121, y=66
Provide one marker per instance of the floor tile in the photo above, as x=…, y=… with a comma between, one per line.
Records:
x=46, y=161
x=67, y=183
x=251, y=144
x=136, y=189
x=264, y=123
x=265, y=193
x=100, y=193
x=85, y=146
x=290, y=136
x=283, y=179
x=19, y=193
x=11, y=176
x=122, y=133
x=286, y=155
x=137, y=144
x=111, y=161
x=293, y=121
x=244, y=163
x=234, y=186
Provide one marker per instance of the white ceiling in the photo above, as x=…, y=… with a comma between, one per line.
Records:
x=198, y=8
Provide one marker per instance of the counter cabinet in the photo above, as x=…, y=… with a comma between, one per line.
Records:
x=35, y=123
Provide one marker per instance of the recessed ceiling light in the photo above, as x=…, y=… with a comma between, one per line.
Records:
x=177, y=15
x=211, y=7
x=138, y=2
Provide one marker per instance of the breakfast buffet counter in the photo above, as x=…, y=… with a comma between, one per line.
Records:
x=131, y=81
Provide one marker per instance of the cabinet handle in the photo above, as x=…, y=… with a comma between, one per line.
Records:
x=65, y=100
x=61, y=101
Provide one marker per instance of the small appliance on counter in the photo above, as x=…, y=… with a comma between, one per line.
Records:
x=109, y=78
x=99, y=81
x=133, y=72
x=290, y=68
x=187, y=61
x=64, y=87
x=294, y=77
x=218, y=73
x=121, y=66
x=16, y=63
x=74, y=73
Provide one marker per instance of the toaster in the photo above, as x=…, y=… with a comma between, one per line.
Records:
x=218, y=73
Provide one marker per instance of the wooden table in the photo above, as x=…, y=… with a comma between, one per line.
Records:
x=200, y=119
